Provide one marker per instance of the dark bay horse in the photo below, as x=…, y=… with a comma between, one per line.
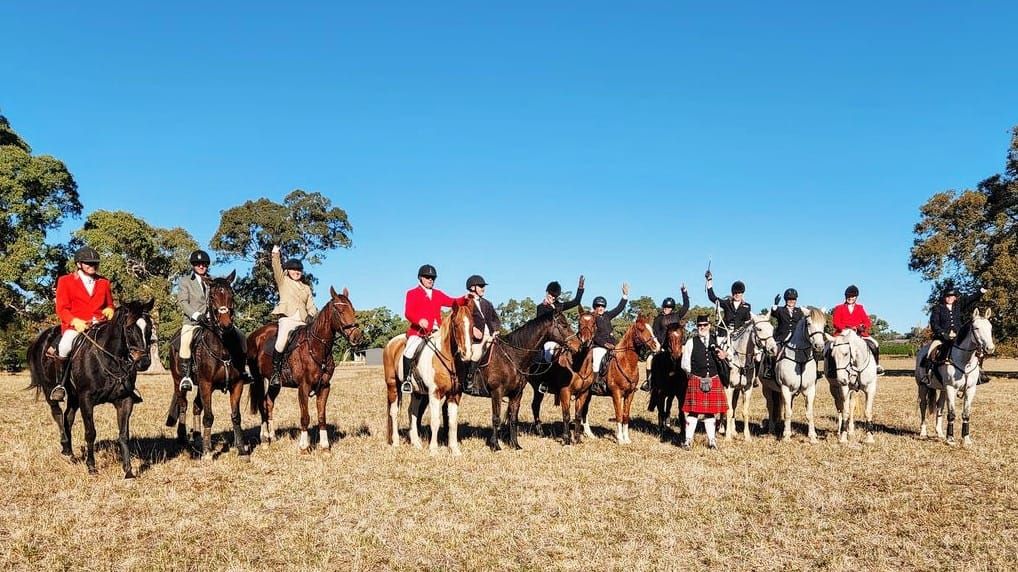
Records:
x=623, y=376
x=668, y=380
x=508, y=366
x=440, y=367
x=104, y=366
x=309, y=365
x=569, y=375
x=218, y=363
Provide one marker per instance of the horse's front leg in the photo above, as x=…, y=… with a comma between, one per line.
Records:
x=564, y=399
x=66, y=422
x=970, y=396
x=952, y=397
x=435, y=403
x=196, y=412
x=513, y=418
x=941, y=404
x=627, y=408
x=414, y=413
x=587, y=432
x=236, y=392
x=535, y=408
x=923, y=400
x=580, y=414
x=208, y=418
x=496, y=419
x=811, y=393
x=729, y=425
x=89, y=421
x=124, y=408
x=394, y=399
x=840, y=394
x=747, y=433
x=181, y=417
x=786, y=400
x=321, y=402
x=304, y=442
x=617, y=404
x=269, y=417
x=453, y=405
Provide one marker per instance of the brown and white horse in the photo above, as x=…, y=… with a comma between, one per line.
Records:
x=440, y=363
x=569, y=375
x=310, y=365
x=623, y=376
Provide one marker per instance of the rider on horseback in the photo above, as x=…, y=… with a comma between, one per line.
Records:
x=664, y=320
x=83, y=298
x=604, y=338
x=852, y=315
x=701, y=360
x=945, y=323
x=295, y=308
x=423, y=308
x=735, y=310
x=192, y=299
x=551, y=304
x=788, y=317
x=486, y=327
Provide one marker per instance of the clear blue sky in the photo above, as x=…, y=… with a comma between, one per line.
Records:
x=527, y=141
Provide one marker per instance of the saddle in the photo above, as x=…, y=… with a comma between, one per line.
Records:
x=269, y=345
x=600, y=385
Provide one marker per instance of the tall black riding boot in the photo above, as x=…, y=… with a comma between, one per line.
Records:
x=277, y=368
x=185, y=375
x=407, y=367
x=600, y=386
x=58, y=393
x=876, y=355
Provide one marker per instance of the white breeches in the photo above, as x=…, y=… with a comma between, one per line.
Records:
x=549, y=351
x=412, y=343
x=186, y=335
x=66, y=341
x=286, y=325
x=597, y=356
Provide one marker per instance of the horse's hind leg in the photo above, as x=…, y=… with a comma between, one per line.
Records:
x=923, y=399
x=181, y=418
x=89, y=422
x=810, y=396
x=952, y=397
x=579, y=413
x=304, y=442
x=513, y=419
x=565, y=397
x=414, y=413
x=871, y=395
x=535, y=408
x=392, y=423
x=746, y=431
x=321, y=401
x=584, y=416
x=729, y=425
x=124, y=408
x=196, y=411
x=786, y=400
x=236, y=391
x=496, y=420
x=65, y=436
x=970, y=395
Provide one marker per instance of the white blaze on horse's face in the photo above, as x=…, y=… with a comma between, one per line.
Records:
x=982, y=330
x=464, y=348
x=142, y=324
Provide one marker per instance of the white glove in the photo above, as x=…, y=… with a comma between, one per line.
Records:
x=195, y=316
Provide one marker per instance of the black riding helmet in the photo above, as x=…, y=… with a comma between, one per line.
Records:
x=87, y=255
x=554, y=288
x=427, y=271
x=791, y=294
x=293, y=264
x=950, y=291
x=668, y=302
x=199, y=257
x=738, y=287
x=600, y=301
x=852, y=291
x=475, y=280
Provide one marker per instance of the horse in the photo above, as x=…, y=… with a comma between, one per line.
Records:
x=855, y=370
x=623, y=376
x=217, y=345
x=668, y=378
x=508, y=366
x=958, y=376
x=795, y=373
x=745, y=347
x=569, y=375
x=442, y=361
x=104, y=365
x=308, y=366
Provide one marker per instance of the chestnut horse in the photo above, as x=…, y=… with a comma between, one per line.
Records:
x=307, y=367
x=568, y=376
x=507, y=368
x=623, y=376
x=441, y=362
x=218, y=358
x=104, y=367
x=668, y=380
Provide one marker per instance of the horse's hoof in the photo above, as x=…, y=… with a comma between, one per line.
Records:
x=305, y=450
x=417, y=445
x=129, y=475
x=966, y=442
x=869, y=439
x=455, y=450
x=843, y=438
x=432, y=451
x=813, y=439
x=93, y=471
x=494, y=445
x=950, y=441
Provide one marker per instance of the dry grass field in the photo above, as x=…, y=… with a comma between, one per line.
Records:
x=899, y=504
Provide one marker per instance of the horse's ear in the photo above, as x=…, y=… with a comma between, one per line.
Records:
x=232, y=276
x=975, y=313
x=332, y=291
x=766, y=312
x=988, y=313
x=346, y=292
x=150, y=304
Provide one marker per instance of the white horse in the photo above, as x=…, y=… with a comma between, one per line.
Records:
x=958, y=376
x=795, y=373
x=745, y=349
x=855, y=370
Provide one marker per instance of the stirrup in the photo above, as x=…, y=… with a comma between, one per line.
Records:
x=542, y=387
x=880, y=369
x=186, y=384
x=58, y=393
x=406, y=387
x=645, y=386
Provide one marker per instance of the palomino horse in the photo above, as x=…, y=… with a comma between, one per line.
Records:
x=623, y=376
x=218, y=364
x=668, y=380
x=855, y=370
x=569, y=375
x=958, y=376
x=439, y=369
x=508, y=366
x=795, y=372
x=745, y=347
x=308, y=366
x=104, y=366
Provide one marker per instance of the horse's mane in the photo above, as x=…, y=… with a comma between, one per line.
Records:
x=964, y=331
x=528, y=330
x=816, y=315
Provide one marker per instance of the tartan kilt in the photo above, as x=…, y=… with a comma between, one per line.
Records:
x=710, y=403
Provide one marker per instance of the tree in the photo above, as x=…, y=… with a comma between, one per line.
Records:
x=37, y=193
x=514, y=313
x=141, y=261
x=305, y=226
x=636, y=306
x=378, y=325
x=969, y=239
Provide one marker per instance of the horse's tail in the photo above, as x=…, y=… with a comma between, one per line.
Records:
x=256, y=394
x=174, y=413
x=35, y=356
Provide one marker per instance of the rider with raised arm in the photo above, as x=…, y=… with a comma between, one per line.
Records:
x=295, y=308
x=736, y=312
x=946, y=320
x=604, y=337
x=788, y=317
x=664, y=320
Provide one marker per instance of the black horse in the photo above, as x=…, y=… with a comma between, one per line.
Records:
x=105, y=362
x=219, y=358
x=668, y=380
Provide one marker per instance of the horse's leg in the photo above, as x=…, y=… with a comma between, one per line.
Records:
x=208, y=418
x=236, y=392
x=564, y=399
x=496, y=419
x=65, y=437
x=786, y=400
x=970, y=396
x=436, y=404
x=67, y=425
x=810, y=395
x=871, y=395
x=124, y=408
x=321, y=403
x=392, y=424
x=841, y=396
x=513, y=418
x=952, y=397
x=580, y=414
x=453, y=404
x=182, y=417
x=304, y=442
x=535, y=408
x=627, y=410
x=617, y=405
x=413, y=414
x=196, y=411
x=746, y=394
x=851, y=413
x=923, y=399
x=89, y=421
x=729, y=425
x=270, y=413
x=584, y=416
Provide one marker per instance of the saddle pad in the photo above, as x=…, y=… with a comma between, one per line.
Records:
x=269, y=346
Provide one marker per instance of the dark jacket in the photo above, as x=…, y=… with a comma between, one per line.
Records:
x=786, y=322
x=944, y=320
x=485, y=315
x=603, y=325
x=703, y=360
x=662, y=322
x=733, y=318
x=543, y=309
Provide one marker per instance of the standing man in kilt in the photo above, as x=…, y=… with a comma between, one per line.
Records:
x=704, y=394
